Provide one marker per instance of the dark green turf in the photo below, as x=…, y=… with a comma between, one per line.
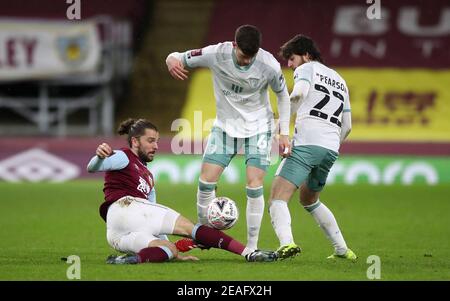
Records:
x=407, y=227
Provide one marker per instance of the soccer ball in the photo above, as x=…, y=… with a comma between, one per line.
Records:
x=222, y=213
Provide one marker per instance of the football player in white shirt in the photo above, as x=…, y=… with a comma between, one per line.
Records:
x=321, y=100
x=242, y=73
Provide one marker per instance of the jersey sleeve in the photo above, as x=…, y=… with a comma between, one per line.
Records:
x=277, y=82
x=203, y=57
x=117, y=161
x=346, y=125
x=278, y=85
x=347, y=107
x=303, y=72
x=301, y=89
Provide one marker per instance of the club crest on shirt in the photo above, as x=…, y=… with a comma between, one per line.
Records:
x=253, y=82
x=143, y=186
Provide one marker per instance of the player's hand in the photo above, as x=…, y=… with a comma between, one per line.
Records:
x=186, y=258
x=285, y=145
x=176, y=68
x=103, y=151
x=294, y=98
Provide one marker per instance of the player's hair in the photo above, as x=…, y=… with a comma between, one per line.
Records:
x=135, y=128
x=300, y=45
x=248, y=39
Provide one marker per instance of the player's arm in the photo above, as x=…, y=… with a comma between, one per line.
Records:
x=178, y=62
x=302, y=84
x=106, y=159
x=284, y=109
x=278, y=85
x=346, y=126
x=301, y=89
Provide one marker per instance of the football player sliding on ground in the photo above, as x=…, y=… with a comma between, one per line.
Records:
x=135, y=224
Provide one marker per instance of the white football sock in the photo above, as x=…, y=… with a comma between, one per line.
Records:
x=254, y=214
x=205, y=194
x=325, y=218
x=281, y=221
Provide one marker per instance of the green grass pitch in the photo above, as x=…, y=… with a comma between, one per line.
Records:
x=408, y=227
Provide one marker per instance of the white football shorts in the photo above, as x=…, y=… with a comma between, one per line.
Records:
x=132, y=223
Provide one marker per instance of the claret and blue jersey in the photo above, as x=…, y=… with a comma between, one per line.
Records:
x=126, y=175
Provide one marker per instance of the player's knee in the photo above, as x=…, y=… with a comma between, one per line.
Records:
x=255, y=176
x=306, y=201
x=275, y=193
x=277, y=190
x=308, y=196
x=205, y=178
x=183, y=227
x=255, y=182
x=210, y=173
x=185, y=232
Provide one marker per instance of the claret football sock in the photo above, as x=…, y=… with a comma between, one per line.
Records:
x=325, y=218
x=205, y=194
x=154, y=254
x=214, y=238
x=255, y=210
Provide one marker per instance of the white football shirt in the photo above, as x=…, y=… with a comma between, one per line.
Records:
x=241, y=92
x=319, y=116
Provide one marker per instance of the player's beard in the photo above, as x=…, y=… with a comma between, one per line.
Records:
x=143, y=156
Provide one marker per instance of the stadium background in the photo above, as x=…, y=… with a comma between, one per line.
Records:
x=66, y=84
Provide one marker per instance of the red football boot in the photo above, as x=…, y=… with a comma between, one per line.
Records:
x=186, y=244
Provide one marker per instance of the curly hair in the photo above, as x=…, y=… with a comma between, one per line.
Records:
x=300, y=45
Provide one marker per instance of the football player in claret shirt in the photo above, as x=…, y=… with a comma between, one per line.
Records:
x=321, y=100
x=135, y=223
x=242, y=73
